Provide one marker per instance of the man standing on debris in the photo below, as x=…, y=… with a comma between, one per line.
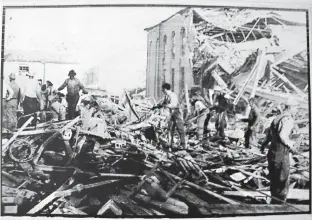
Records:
x=31, y=92
x=12, y=104
x=171, y=101
x=278, y=154
x=73, y=88
x=7, y=95
x=253, y=120
x=203, y=116
x=220, y=105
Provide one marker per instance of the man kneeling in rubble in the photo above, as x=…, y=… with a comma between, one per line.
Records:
x=171, y=101
x=58, y=107
x=278, y=154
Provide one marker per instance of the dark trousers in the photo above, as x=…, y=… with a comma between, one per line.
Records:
x=202, y=125
x=279, y=168
x=72, y=101
x=221, y=123
x=30, y=105
x=176, y=120
x=249, y=137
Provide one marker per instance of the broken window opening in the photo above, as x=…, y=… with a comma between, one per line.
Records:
x=182, y=41
x=164, y=49
x=173, y=45
x=172, y=79
x=182, y=81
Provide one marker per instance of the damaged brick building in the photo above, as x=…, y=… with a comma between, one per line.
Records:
x=207, y=47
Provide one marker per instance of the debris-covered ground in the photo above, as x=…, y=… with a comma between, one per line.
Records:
x=106, y=163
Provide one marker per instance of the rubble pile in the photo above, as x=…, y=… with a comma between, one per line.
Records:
x=103, y=164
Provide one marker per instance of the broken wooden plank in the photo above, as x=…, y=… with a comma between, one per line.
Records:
x=294, y=194
x=209, y=192
x=191, y=198
x=226, y=209
x=110, y=205
x=130, y=204
x=170, y=205
x=284, y=78
x=34, y=132
x=5, y=146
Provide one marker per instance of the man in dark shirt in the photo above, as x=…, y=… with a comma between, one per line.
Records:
x=253, y=120
x=220, y=105
x=73, y=88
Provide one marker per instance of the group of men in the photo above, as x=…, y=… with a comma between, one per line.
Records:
x=277, y=138
x=34, y=97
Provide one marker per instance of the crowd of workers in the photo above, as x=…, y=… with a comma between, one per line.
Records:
x=34, y=97
x=278, y=135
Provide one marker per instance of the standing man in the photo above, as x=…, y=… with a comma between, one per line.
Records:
x=171, y=101
x=6, y=97
x=253, y=120
x=31, y=92
x=13, y=103
x=73, y=88
x=278, y=154
x=220, y=105
x=203, y=116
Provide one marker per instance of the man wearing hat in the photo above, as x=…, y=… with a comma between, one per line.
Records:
x=73, y=88
x=203, y=116
x=31, y=93
x=279, y=149
x=12, y=104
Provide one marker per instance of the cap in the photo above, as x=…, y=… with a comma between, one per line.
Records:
x=30, y=74
x=292, y=102
x=72, y=73
x=12, y=76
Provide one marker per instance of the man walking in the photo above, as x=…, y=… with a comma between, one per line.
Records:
x=171, y=101
x=278, y=154
x=253, y=120
x=73, y=88
x=31, y=92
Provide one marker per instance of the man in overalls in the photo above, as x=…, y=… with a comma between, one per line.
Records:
x=171, y=101
x=220, y=105
x=278, y=154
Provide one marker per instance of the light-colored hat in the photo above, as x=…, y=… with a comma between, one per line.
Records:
x=30, y=74
x=12, y=76
x=292, y=102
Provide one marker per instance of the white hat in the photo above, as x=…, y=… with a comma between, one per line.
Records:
x=292, y=102
x=30, y=74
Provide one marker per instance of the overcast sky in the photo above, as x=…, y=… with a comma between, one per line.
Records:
x=112, y=37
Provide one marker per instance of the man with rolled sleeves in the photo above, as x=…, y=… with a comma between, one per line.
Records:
x=278, y=155
x=171, y=101
x=73, y=87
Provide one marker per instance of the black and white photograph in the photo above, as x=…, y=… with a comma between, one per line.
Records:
x=155, y=111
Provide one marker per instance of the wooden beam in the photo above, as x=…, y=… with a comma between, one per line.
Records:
x=282, y=77
x=5, y=146
x=260, y=68
x=251, y=30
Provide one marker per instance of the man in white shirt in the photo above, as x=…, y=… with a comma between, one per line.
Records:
x=171, y=101
x=203, y=116
x=31, y=92
x=6, y=97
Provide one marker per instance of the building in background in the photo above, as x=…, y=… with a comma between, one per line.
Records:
x=209, y=46
x=169, y=54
